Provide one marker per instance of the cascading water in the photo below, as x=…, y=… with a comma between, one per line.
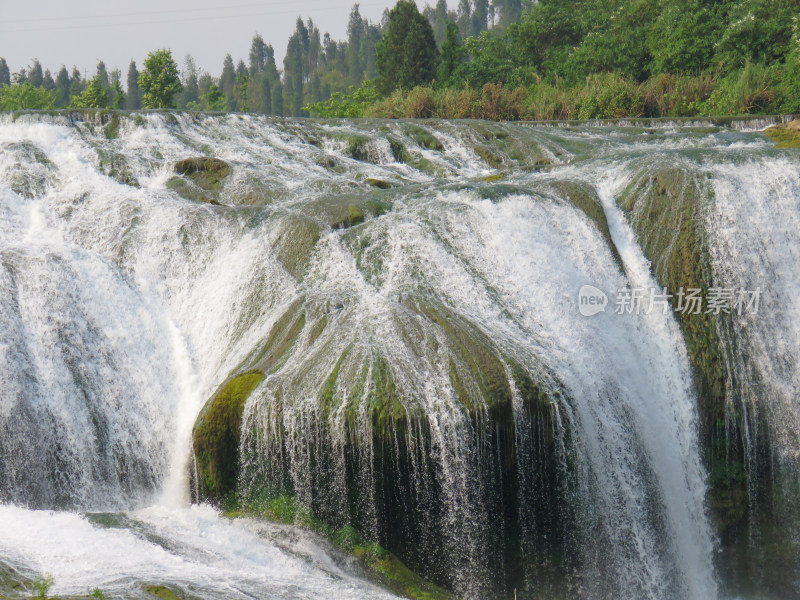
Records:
x=409, y=292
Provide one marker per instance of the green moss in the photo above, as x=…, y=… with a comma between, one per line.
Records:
x=380, y=565
x=423, y=137
x=786, y=135
x=665, y=207
x=116, y=166
x=188, y=190
x=296, y=239
x=584, y=197
x=160, y=591
x=477, y=371
x=378, y=183
x=111, y=130
x=200, y=178
x=216, y=436
x=354, y=215
x=493, y=159
x=494, y=177
x=282, y=337
x=394, y=575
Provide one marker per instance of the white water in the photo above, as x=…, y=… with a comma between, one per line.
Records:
x=755, y=221
x=134, y=305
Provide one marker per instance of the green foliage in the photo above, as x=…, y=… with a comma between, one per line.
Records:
x=25, y=96
x=609, y=95
x=98, y=593
x=407, y=55
x=214, y=101
x=748, y=90
x=43, y=585
x=159, y=80
x=94, y=96
x=683, y=37
x=452, y=53
x=353, y=104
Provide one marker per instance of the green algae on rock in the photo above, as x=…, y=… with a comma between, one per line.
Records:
x=199, y=178
x=216, y=436
x=786, y=135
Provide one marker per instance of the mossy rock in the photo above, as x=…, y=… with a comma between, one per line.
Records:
x=199, y=178
x=423, y=137
x=342, y=212
x=492, y=158
x=786, y=135
x=378, y=183
x=163, y=592
x=297, y=236
x=115, y=165
x=666, y=209
x=584, y=197
x=31, y=172
x=190, y=191
x=216, y=436
x=393, y=574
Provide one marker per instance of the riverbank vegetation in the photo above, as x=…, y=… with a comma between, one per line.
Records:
x=498, y=59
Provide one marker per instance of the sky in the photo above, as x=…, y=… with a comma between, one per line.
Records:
x=81, y=32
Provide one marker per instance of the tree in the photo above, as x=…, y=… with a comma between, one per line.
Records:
x=25, y=96
x=214, y=100
x=118, y=100
x=191, y=90
x=452, y=54
x=35, y=75
x=5, y=73
x=258, y=55
x=227, y=81
x=133, y=101
x=62, y=87
x=407, y=55
x=47, y=81
x=159, y=80
x=480, y=16
x=94, y=96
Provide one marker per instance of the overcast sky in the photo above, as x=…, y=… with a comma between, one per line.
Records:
x=81, y=32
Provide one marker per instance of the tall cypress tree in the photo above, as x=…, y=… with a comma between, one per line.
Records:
x=133, y=101
x=5, y=73
x=62, y=87
x=47, y=81
x=35, y=75
x=227, y=81
x=407, y=55
x=355, y=32
x=293, y=77
x=258, y=55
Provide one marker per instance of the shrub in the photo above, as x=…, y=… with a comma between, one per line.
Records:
x=747, y=90
x=608, y=96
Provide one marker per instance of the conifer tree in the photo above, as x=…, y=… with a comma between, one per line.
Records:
x=35, y=75
x=5, y=74
x=407, y=55
x=62, y=87
x=133, y=100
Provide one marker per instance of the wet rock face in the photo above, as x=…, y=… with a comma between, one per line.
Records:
x=216, y=436
x=200, y=178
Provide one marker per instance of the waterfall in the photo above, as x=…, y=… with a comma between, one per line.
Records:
x=409, y=292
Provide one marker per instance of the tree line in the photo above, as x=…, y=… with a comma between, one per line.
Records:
x=501, y=59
